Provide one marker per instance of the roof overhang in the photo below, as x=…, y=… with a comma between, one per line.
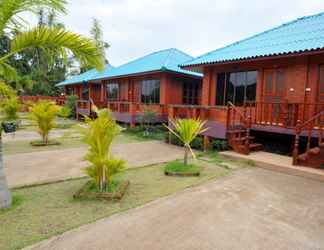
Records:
x=199, y=67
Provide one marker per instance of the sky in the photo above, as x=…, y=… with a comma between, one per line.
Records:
x=135, y=28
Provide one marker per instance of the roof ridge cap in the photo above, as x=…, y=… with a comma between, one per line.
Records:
x=171, y=51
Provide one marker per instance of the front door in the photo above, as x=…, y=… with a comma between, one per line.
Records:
x=274, y=108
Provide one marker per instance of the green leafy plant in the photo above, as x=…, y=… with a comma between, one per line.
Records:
x=65, y=112
x=186, y=130
x=99, y=134
x=43, y=114
x=51, y=40
x=219, y=145
x=70, y=103
x=10, y=108
x=148, y=118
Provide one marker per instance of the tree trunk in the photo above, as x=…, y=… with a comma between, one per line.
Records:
x=5, y=195
x=185, y=160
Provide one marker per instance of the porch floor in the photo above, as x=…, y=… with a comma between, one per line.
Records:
x=279, y=163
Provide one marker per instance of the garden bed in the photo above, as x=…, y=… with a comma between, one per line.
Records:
x=117, y=193
x=177, y=168
x=43, y=144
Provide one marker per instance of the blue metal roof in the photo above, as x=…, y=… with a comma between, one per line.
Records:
x=164, y=60
x=301, y=35
x=84, y=77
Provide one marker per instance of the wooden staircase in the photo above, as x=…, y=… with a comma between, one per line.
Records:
x=314, y=154
x=238, y=131
x=85, y=108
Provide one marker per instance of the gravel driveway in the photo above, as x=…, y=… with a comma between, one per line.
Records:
x=252, y=209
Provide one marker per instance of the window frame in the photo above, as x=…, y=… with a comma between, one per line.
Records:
x=116, y=85
x=190, y=92
x=228, y=85
x=145, y=87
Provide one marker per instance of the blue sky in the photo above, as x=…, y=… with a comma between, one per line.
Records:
x=137, y=27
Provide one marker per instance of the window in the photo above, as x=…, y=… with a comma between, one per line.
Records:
x=191, y=93
x=69, y=91
x=236, y=87
x=150, y=91
x=321, y=79
x=85, y=92
x=112, y=91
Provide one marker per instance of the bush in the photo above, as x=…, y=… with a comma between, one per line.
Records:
x=65, y=112
x=197, y=143
x=219, y=145
x=10, y=109
x=71, y=103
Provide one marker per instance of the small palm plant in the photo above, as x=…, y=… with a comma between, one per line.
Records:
x=99, y=135
x=44, y=113
x=10, y=109
x=186, y=130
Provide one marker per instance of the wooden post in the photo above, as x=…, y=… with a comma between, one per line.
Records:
x=296, y=145
x=132, y=114
x=102, y=92
x=206, y=143
x=170, y=116
x=194, y=113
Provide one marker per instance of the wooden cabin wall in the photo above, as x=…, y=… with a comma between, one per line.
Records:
x=95, y=92
x=300, y=73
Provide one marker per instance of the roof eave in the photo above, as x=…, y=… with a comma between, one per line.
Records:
x=252, y=59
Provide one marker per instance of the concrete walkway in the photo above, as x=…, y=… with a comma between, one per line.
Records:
x=45, y=166
x=252, y=209
x=276, y=162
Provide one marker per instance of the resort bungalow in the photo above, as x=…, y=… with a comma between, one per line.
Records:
x=151, y=82
x=271, y=83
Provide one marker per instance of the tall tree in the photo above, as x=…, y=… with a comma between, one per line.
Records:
x=97, y=36
x=52, y=40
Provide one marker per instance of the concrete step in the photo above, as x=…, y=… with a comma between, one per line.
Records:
x=255, y=146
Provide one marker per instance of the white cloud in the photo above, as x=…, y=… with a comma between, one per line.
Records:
x=137, y=27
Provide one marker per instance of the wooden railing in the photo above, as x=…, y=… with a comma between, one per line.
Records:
x=311, y=128
x=119, y=106
x=238, y=128
x=59, y=100
x=83, y=107
x=283, y=114
x=189, y=111
x=135, y=107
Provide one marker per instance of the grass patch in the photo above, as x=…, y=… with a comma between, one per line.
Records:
x=18, y=147
x=154, y=133
x=116, y=190
x=177, y=167
x=49, y=210
x=24, y=146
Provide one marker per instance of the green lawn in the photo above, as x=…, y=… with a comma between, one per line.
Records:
x=44, y=211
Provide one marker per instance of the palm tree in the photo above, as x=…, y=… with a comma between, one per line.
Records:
x=186, y=130
x=52, y=40
x=43, y=114
x=99, y=135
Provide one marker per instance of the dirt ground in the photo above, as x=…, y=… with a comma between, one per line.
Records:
x=251, y=209
x=39, y=167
